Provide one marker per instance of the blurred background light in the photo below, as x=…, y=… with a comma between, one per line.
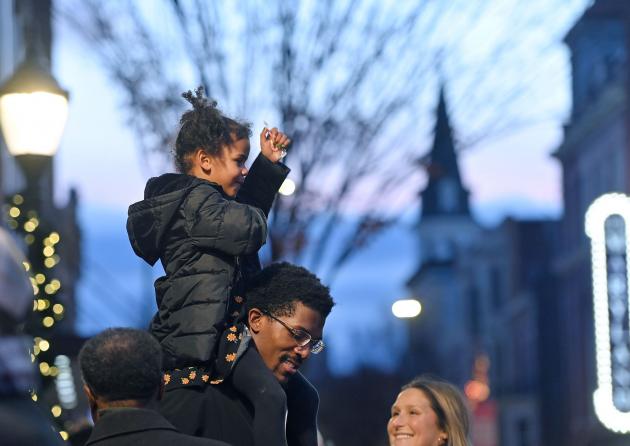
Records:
x=287, y=188
x=406, y=308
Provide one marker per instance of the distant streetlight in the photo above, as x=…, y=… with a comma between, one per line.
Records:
x=287, y=188
x=406, y=308
x=33, y=114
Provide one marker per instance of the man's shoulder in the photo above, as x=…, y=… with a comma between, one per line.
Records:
x=225, y=414
x=155, y=437
x=224, y=397
x=130, y=426
x=180, y=439
x=229, y=414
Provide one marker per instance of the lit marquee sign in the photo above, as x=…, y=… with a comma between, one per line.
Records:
x=607, y=225
x=65, y=383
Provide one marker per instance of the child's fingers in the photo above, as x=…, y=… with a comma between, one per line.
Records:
x=279, y=138
x=263, y=136
x=283, y=143
x=283, y=140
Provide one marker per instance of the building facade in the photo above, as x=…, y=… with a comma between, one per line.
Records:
x=507, y=280
x=594, y=156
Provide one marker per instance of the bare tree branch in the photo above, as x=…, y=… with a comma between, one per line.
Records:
x=353, y=82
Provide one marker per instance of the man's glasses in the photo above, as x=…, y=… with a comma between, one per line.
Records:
x=302, y=337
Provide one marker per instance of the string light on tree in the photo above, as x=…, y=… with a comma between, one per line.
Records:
x=42, y=247
x=56, y=410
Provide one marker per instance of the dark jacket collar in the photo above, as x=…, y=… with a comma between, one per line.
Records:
x=171, y=182
x=125, y=420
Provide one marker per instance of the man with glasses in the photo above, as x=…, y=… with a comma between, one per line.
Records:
x=286, y=308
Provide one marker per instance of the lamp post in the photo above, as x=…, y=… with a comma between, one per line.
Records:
x=408, y=310
x=33, y=113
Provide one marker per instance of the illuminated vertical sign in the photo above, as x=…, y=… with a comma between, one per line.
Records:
x=64, y=383
x=606, y=225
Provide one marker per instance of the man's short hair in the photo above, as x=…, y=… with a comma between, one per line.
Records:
x=122, y=364
x=278, y=287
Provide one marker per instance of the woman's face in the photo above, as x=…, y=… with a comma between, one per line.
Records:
x=413, y=422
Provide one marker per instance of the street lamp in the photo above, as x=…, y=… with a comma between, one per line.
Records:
x=406, y=308
x=287, y=188
x=33, y=113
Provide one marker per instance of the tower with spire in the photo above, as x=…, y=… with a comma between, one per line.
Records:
x=445, y=220
x=445, y=194
x=444, y=228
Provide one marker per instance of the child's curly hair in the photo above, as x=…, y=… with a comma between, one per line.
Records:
x=205, y=127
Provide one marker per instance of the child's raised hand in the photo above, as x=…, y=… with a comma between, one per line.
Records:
x=273, y=144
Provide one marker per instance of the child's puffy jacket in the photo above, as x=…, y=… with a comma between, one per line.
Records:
x=199, y=234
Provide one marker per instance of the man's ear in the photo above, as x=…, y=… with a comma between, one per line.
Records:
x=255, y=320
x=91, y=401
x=89, y=393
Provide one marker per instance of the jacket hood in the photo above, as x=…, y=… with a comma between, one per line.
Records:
x=148, y=220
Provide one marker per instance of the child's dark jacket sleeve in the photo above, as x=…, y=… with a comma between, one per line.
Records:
x=262, y=183
x=260, y=189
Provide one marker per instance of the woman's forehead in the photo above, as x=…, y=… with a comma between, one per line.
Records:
x=412, y=397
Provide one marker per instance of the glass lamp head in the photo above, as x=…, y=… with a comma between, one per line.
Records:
x=33, y=111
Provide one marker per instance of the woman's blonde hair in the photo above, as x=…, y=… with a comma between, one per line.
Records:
x=448, y=404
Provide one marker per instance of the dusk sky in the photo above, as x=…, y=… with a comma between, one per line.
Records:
x=511, y=173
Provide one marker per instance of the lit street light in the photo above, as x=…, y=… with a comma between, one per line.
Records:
x=33, y=113
x=406, y=308
x=287, y=188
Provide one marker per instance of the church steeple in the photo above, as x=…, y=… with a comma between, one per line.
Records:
x=445, y=193
x=445, y=224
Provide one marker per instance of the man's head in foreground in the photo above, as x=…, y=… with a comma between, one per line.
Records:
x=287, y=307
x=121, y=367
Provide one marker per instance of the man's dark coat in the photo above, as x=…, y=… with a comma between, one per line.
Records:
x=214, y=411
x=220, y=412
x=140, y=427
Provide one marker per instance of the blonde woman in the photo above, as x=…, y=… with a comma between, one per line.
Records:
x=429, y=412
